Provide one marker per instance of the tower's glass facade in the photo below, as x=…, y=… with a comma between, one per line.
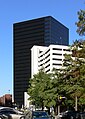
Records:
x=55, y=32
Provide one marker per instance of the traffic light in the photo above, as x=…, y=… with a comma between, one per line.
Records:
x=62, y=97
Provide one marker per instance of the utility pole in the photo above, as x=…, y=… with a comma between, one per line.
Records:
x=76, y=100
x=58, y=105
x=58, y=109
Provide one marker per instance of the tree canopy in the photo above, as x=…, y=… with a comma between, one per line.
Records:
x=81, y=22
x=75, y=73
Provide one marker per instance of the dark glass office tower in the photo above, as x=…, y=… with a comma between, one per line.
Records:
x=42, y=31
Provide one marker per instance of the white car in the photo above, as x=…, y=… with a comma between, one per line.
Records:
x=11, y=113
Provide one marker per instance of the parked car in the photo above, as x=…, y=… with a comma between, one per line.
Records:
x=69, y=115
x=3, y=116
x=82, y=115
x=37, y=115
x=11, y=113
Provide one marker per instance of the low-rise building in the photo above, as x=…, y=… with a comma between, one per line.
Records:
x=6, y=100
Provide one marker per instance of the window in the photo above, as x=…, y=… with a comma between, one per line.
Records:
x=57, y=54
x=57, y=49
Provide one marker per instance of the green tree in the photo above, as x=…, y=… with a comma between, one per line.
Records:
x=45, y=88
x=81, y=22
x=54, y=90
x=37, y=89
x=75, y=72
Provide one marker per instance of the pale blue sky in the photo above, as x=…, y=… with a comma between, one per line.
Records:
x=12, y=11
